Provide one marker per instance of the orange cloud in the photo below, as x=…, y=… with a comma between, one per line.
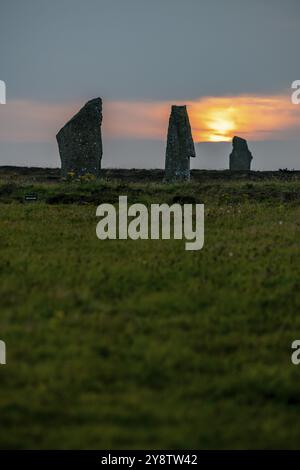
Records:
x=213, y=119
x=136, y=119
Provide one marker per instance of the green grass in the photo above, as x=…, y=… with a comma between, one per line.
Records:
x=141, y=344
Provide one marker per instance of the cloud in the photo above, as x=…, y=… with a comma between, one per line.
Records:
x=212, y=119
x=254, y=117
x=31, y=121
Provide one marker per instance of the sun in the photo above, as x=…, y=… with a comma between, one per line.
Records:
x=221, y=125
x=214, y=122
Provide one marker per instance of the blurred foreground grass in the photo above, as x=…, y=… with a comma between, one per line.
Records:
x=141, y=344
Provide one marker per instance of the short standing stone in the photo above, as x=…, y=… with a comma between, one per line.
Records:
x=240, y=157
x=80, y=142
x=180, y=145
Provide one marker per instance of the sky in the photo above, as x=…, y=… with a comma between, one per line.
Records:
x=231, y=61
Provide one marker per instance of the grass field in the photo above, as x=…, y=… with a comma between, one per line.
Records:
x=141, y=344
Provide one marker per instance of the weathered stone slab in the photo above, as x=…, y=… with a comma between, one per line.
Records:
x=180, y=145
x=240, y=157
x=80, y=142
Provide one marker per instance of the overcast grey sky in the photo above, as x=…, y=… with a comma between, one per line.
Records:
x=68, y=51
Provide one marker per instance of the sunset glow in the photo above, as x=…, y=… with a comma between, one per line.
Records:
x=218, y=119
x=213, y=119
x=219, y=123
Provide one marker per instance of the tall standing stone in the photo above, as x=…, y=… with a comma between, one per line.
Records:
x=240, y=157
x=80, y=142
x=180, y=145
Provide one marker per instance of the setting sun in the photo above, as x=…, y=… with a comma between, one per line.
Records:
x=213, y=121
x=220, y=126
x=218, y=119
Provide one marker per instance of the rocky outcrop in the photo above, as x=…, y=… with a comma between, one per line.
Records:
x=80, y=142
x=180, y=145
x=240, y=157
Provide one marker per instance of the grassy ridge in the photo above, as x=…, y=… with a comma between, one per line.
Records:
x=133, y=344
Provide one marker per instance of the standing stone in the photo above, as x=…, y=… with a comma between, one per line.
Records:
x=240, y=157
x=180, y=145
x=80, y=142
